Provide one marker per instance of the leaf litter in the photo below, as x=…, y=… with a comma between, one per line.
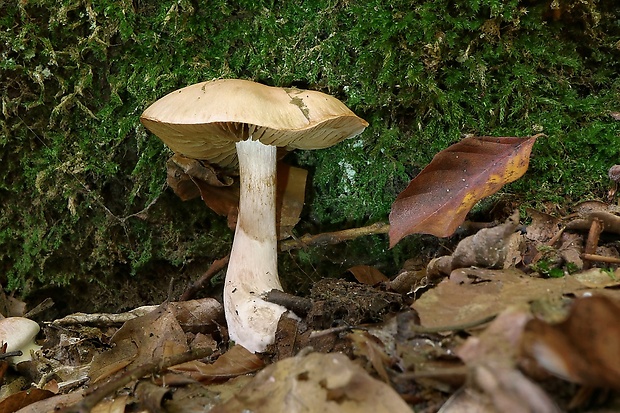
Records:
x=521, y=316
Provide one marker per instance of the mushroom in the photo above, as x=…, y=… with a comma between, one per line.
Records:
x=19, y=333
x=230, y=122
x=614, y=175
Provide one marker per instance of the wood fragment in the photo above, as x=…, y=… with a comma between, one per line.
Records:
x=199, y=284
x=596, y=228
x=329, y=238
x=601, y=258
x=298, y=305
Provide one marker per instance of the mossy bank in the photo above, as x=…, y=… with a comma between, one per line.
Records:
x=83, y=190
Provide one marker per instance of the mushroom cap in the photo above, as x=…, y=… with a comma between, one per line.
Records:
x=205, y=120
x=614, y=173
x=18, y=333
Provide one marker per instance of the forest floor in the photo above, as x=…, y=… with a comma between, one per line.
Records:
x=521, y=317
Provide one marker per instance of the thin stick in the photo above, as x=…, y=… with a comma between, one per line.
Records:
x=199, y=284
x=601, y=258
x=412, y=328
x=87, y=403
x=596, y=228
x=336, y=237
x=457, y=327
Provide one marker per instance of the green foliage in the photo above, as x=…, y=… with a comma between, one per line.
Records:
x=83, y=184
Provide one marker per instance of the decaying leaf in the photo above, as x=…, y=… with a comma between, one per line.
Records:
x=22, y=399
x=510, y=391
x=488, y=248
x=233, y=363
x=190, y=178
x=369, y=346
x=139, y=341
x=329, y=383
x=498, y=344
x=438, y=199
x=367, y=275
x=473, y=294
x=11, y=306
x=583, y=348
x=494, y=379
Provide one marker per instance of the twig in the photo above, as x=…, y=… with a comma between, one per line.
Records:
x=42, y=306
x=336, y=237
x=199, y=284
x=457, y=327
x=339, y=329
x=99, y=393
x=596, y=228
x=412, y=328
x=441, y=372
x=601, y=258
x=299, y=305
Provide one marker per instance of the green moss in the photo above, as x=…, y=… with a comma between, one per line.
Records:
x=83, y=184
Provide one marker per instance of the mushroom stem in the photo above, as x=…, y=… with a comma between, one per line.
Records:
x=253, y=267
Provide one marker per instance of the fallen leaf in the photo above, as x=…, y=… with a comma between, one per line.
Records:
x=190, y=178
x=233, y=363
x=488, y=248
x=202, y=315
x=290, y=195
x=583, y=348
x=473, y=294
x=22, y=399
x=367, y=275
x=139, y=341
x=510, y=391
x=492, y=359
x=328, y=383
x=115, y=405
x=370, y=347
x=598, y=278
x=438, y=199
x=11, y=306
x=498, y=343
x=50, y=405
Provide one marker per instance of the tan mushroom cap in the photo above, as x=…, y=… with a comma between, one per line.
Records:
x=203, y=121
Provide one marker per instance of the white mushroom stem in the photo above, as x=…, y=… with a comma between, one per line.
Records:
x=253, y=267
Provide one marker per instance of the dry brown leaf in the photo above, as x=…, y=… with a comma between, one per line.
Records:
x=151, y=396
x=22, y=399
x=598, y=278
x=115, y=405
x=11, y=306
x=326, y=383
x=233, y=363
x=50, y=405
x=190, y=178
x=139, y=341
x=492, y=358
x=499, y=342
x=202, y=315
x=473, y=294
x=488, y=248
x=370, y=347
x=510, y=391
x=438, y=199
x=367, y=275
x=583, y=348
x=543, y=226
x=290, y=195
